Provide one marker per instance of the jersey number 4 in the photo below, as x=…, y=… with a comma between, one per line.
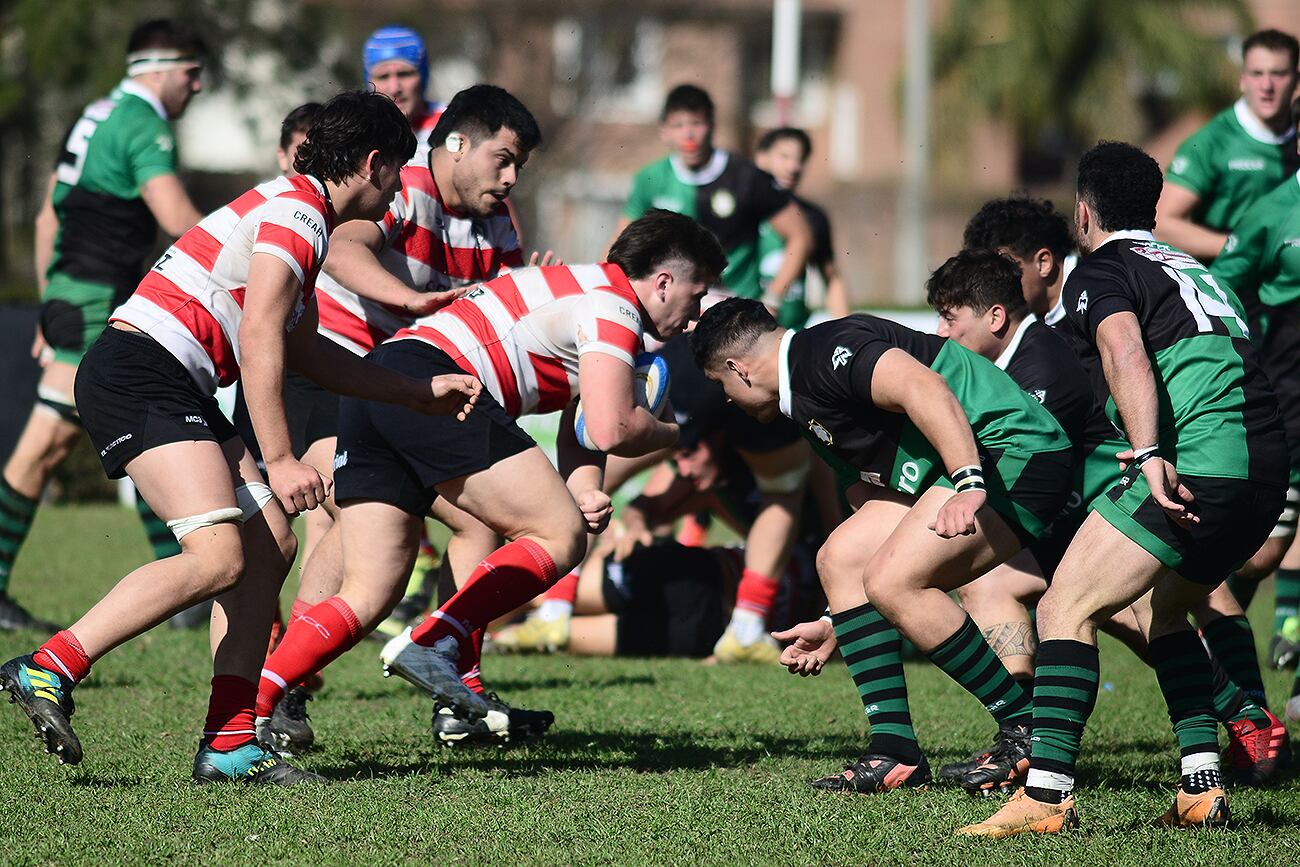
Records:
x=1211, y=301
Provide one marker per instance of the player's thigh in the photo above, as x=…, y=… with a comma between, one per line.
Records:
x=48, y=428
x=842, y=559
x=183, y=479
x=521, y=495
x=1018, y=581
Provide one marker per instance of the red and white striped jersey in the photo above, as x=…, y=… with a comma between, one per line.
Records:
x=192, y=300
x=523, y=333
x=427, y=246
x=423, y=126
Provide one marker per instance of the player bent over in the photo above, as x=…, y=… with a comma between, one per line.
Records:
x=1168, y=347
x=917, y=417
x=233, y=295
x=537, y=337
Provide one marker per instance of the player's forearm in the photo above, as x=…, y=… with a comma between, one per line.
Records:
x=354, y=265
x=1205, y=244
x=262, y=376
x=571, y=457
x=1133, y=388
x=334, y=368
x=585, y=478
x=837, y=293
x=47, y=226
x=638, y=432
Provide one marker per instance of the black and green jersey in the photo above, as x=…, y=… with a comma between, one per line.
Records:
x=1217, y=412
x=794, y=310
x=1230, y=163
x=825, y=386
x=106, y=231
x=730, y=196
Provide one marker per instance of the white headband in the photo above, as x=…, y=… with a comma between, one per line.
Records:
x=159, y=60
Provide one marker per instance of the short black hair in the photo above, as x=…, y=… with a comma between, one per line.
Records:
x=1273, y=40
x=662, y=236
x=165, y=33
x=298, y=120
x=1121, y=184
x=1021, y=224
x=349, y=127
x=727, y=328
x=483, y=109
x=977, y=279
x=782, y=133
x=688, y=97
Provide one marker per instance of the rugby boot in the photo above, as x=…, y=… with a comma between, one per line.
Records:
x=954, y=771
x=1021, y=814
x=1254, y=752
x=765, y=650
x=875, y=773
x=1284, y=649
x=46, y=697
x=14, y=617
x=433, y=669
x=534, y=635
x=1208, y=809
x=1006, y=765
x=252, y=763
x=504, y=725
x=289, y=726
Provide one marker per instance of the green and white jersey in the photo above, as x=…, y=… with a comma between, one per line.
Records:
x=1261, y=259
x=1217, y=412
x=106, y=231
x=730, y=196
x=1230, y=163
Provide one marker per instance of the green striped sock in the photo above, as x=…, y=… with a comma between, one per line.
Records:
x=1243, y=589
x=161, y=538
x=967, y=658
x=872, y=650
x=1185, y=677
x=1230, y=703
x=1065, y=692
x=1232, y=645
x=16, y=515
x=1286, y=597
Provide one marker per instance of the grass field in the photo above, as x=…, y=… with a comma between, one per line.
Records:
x=649, y=762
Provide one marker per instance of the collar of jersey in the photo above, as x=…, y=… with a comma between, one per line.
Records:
x=1255, y=128
x=1127, y=235
x=1007, y=354
x=712, y=170
x=141, y=92
x=783, y=396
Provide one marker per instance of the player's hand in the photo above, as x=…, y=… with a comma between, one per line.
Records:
x=632, y=533
x=811, y=646
x=449, y=394
x=298, y=487
x=1169, y=493
x=957, y=516
x=425, y=303
x=543, y=259
x=596, y=509
x=40, y=349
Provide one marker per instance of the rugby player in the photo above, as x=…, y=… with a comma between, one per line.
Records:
x=145, y=393
x=113, y=186
x=1168, y=350
x=783, y=153
x=891, y=406
x=1245, y=151
x=1033, y=235
x=396, y=64
x=725, y=192
x=538, y=338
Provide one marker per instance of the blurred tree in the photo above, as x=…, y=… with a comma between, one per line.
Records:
x=1064, y=74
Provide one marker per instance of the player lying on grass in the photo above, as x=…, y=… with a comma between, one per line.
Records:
x=980, y=303
x=914, y=416
x=233, y=296
x=538, y=338
x=1169, y=351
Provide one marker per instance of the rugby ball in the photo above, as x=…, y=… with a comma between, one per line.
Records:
x=649, y=390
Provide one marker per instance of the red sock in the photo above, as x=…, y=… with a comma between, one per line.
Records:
x=757, y=592
x=312, y=641
x=63, y=653
x=298, y=609
x=564, y=590
x=509, y=577
x=230, y=712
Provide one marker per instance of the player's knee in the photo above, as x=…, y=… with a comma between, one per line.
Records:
x=837, y=562
x=567, y=543
x=220, y=556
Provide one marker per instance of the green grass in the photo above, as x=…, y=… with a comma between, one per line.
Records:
x=649, y=762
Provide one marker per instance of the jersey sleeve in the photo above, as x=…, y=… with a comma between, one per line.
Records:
x=151, y=150
x=848, y=356
x=293, y=230
x=1240, y=266
x=1098, y=290
x=1193, y=164
x=641, y=197
x=606, y=322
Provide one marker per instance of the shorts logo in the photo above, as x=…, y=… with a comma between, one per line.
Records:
x=819, y=430
x=1039, y=394
x=840, y=357
x=114, y=444
x=1083, y=303
x=340, y=460
x=196, y=419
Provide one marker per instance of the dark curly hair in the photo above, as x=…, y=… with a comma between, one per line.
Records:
x=727, y=328
x=349, y=127
x=977, y=279
x=662, y=236
x=1121, y=185
x=480, y=111
x=1020, y=224
x=688, y=97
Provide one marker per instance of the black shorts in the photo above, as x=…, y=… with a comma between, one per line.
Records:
x=396, y=455
x=670, y=601
x=1236, y=517
x=311, y=411
x=133, y=395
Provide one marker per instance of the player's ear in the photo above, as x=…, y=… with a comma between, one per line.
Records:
x=1045, y=262
x=373, y=162
x=997, y=315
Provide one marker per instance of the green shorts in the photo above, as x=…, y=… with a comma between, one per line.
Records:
x=75, y=312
